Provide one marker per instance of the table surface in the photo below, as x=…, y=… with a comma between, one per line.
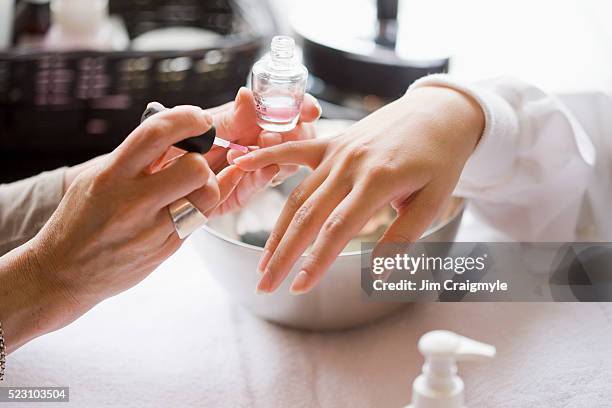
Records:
x=178, y=340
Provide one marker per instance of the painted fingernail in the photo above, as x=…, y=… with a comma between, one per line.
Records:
x=263, y=262
x=265, y=283
x=300, y=283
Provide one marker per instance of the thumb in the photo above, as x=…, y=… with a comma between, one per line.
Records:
x=311, y=110
x=241, y=121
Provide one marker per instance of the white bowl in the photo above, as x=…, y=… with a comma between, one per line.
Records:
x=335, y=303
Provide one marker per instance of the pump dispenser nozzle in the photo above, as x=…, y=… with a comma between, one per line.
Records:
x=439, y=386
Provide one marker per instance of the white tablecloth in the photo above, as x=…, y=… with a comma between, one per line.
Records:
x=177, y=340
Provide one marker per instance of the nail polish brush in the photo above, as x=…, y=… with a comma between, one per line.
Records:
x=198, y=144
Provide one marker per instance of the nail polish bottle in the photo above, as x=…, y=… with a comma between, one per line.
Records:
x=278, y=83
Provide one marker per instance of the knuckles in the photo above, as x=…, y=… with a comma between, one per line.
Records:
x=196, y=164
x=303, y=215
x=334, y=225
x=211, y=196
x=296, y=198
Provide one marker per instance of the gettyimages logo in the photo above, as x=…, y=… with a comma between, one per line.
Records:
x=487, y=272
x=411, y=264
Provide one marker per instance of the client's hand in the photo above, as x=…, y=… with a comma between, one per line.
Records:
x=111, y=229
x=409, y=153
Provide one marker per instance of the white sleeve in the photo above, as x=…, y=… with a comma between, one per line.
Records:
x=530, y=171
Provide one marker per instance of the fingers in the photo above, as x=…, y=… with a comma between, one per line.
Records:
x=413, y=219
x=205, y=197
x=268, y=139
x=311, y=110
x=301, y=231
x=238, y=120
x=228, y=180
x=249, y=185
x=295, y=200
x=154, y=136
x=308, y=153
x=180, y=178
x=340, y=227
x=170, y=154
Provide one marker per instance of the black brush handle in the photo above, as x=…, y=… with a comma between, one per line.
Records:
x=197, y=144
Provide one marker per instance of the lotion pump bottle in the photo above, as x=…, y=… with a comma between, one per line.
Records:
x=439, y=386
x=279, y=81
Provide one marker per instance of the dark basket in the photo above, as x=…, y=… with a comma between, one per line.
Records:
x=61, y=108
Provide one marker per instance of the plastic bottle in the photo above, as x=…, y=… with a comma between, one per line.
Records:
x=279, y=83
x=439, y=386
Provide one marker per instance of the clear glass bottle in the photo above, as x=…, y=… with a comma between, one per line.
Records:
x=279, y=82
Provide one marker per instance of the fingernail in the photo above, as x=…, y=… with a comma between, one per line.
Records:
x=263, y=262
x=237, y=176
x=243, y=159
x=271, y=171
x=156, y=105
x=241, y=93
x=319, y=108
x=300, y=283
x=265, y=283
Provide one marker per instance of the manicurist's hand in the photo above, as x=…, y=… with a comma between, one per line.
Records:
x=237, y=122
x=111, y=229
x=409, y=153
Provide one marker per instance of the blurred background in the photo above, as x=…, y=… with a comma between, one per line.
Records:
x=75, y=75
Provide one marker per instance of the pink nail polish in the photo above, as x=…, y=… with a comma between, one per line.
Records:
x=265, y=283
x=300, y=283
x=263, y=262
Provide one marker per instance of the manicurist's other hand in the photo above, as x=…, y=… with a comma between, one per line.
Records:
x=112, y=228
x=409, y=154
x=237, y=122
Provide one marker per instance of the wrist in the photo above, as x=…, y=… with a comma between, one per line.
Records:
x=29, y=305
x=452, y=110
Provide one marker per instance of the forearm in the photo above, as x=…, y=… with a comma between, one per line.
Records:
x=26, y=205
x=29, y=307
x=530, y=171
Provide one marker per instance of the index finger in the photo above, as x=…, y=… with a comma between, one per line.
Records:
x=305, y=152
x=156, y=135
